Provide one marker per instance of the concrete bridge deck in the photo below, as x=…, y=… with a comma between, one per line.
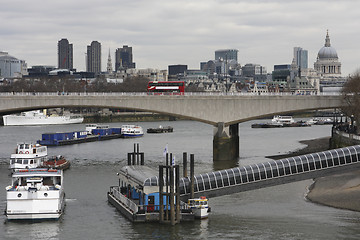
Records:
x=224, y=112
x=209, y=108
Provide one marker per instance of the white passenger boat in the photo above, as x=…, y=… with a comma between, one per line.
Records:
x=131, y=131
x=281, y=120
x=35, y=194
x=38, y=118
x=200, y=207
x=91, y=126
x=28, y=155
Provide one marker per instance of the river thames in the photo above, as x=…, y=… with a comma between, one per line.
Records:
x=279, y=212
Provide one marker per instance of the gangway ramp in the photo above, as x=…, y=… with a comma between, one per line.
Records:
x=271, y=173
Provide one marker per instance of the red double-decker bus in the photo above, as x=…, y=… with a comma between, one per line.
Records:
x=166, y=88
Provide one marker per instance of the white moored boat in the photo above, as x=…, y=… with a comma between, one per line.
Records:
x=35, y=194
x=38, y=118
x=28, y=155
x=281, y=120
x=200, y=207
x=91, y=126
x=131, y=131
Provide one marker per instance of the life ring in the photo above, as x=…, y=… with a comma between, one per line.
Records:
x=20, y=152
x=27, y=152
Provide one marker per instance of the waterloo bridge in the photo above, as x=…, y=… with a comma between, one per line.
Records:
x=222, y=111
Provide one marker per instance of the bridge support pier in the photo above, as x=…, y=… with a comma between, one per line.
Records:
x=226, y=142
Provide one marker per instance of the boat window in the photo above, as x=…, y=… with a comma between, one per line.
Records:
x=48, y=181
x=12, y=161
x=31, y=161
x=21, y=146
x=19, y=161
x=204, y=203
x=27, y=146
x=26, y=161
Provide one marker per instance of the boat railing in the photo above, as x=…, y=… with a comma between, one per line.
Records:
x=140, y=209
x=115, y=191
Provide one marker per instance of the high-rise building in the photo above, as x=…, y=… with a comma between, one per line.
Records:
x=177, y=69
x=226, y=54
x=301, y=57
x=124, y=58
x=93, y=59
x=65, y=54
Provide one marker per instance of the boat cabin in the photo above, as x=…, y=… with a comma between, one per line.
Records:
x=90, y=127
x=36, y=179
x=28, y=155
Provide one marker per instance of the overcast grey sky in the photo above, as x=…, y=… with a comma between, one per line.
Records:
x=164, y=32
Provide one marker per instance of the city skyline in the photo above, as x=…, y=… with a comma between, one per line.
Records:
x=164, y=33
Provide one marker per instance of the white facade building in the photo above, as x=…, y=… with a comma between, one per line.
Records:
x=327, y=63
x=11, y=67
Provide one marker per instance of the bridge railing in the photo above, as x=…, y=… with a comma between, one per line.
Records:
x=145, y=94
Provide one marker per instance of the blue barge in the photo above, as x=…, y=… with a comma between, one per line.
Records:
x=67, y=138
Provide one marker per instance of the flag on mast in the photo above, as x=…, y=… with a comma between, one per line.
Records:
x=173, y=161
x=165, y=150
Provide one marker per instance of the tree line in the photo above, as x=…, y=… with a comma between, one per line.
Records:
x=68, y=84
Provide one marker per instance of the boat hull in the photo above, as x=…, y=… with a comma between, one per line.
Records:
x=131, y=135
x=13, y=120
x=35, y=208
x=200, y=213
x=34, y=216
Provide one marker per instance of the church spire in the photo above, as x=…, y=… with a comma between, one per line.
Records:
x=327, y=40
x=109, y=64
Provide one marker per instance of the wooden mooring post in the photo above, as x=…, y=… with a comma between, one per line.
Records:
x=172, y=194
x=136, y=157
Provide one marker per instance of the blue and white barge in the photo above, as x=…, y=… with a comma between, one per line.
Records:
x=137, y=196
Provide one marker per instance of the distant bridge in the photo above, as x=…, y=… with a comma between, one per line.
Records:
x=224, y=112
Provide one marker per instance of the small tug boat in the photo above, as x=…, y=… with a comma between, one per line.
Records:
x=160, y=129
x=281, y=121
x=200, y=207
x=128, y=131
x=57, y=162
x=35, y=194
